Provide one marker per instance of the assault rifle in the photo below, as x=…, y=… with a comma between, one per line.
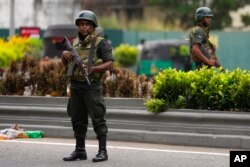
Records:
x=208, y=55
x=76, y=59
x=205, y=52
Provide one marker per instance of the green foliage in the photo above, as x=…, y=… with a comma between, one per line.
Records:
x=156, y=105
x=184, y=50
x=16, y=48
x=109, y=23
x=210, y=89
x=177, y=11
x=35, y=47
x=126, y=55
x=184, y=11
x=6, y=56
x=222, y=17
x=134, y=25
x=170, y=83
x=178, y=15
x=181, y=102
x=246, y=19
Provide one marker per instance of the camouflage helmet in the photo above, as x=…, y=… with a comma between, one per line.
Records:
x=87, y=15
x=203, y=12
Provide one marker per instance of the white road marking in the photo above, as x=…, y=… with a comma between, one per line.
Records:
x=117, y=147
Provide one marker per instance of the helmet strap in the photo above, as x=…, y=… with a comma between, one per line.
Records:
x=201, y=23
x=204, y=24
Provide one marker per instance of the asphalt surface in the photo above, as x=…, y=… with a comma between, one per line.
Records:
x=48, y=152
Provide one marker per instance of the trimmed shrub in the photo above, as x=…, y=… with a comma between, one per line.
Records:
x=49, y=78
x=43, y=79
x=121, y=82
x=211, y=89
x=156, y=105
x=126, y=55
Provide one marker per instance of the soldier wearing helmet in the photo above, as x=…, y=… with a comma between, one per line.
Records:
x=202, y=50
x=87, y=99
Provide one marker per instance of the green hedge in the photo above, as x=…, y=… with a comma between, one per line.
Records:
x=211, y=89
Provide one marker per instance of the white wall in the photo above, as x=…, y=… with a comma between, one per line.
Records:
x=43, y=14
x=236, y=15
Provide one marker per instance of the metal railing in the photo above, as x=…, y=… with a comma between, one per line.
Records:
x=129, y=120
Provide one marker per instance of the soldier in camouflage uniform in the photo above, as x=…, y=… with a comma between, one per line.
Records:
x=88, y=99
x=202, y=50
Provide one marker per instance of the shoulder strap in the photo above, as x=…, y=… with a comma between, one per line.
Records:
x=91, y=54
x=75, y=42
x=98, y=40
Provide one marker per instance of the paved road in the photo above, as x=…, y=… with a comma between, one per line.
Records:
x=48, y=152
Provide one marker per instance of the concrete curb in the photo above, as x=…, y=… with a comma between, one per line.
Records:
x=128, y=120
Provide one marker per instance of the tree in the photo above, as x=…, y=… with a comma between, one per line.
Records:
x=221, y=11
x=246, y=19
x=183, y=10
x=177, y=11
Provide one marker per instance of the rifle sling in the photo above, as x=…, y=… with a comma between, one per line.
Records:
x=91, y=54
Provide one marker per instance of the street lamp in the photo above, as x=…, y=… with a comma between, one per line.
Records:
x=12, y=18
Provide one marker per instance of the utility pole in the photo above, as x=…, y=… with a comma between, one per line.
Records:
x=12, y=18
x=205, y=3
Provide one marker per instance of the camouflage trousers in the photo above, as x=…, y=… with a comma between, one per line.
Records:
x=87, y=101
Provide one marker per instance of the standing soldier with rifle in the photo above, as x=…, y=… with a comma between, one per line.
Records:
x=86, y=96
x=202, y=50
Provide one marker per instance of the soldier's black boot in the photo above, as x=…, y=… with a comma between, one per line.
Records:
x=102, y=154
x=79, y=153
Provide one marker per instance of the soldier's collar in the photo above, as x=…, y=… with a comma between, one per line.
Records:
x=84, y=41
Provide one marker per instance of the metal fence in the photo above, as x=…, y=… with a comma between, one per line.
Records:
x=129, y=120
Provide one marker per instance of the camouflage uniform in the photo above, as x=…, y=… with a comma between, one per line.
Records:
x=199, y=34
x=88, y=99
